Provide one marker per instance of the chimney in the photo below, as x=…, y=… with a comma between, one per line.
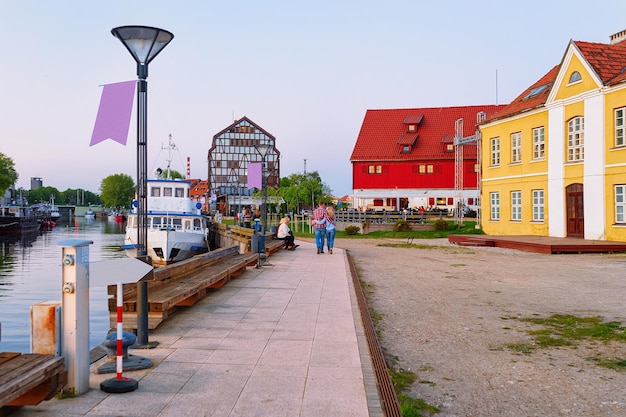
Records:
x=618, y=37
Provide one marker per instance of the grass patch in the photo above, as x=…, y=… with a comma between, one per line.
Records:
x=409, y=406
x=611, y=363
x=68, y=393
x=523, y=348
x=564, y=330
x=411, y=245
x=570, y=327
x=415, y=407
x=469, y=228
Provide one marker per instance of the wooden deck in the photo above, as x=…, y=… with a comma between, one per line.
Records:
x=540, y=244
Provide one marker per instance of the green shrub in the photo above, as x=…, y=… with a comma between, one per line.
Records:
x=401, y=226
x=352, y=230
x=441, y=224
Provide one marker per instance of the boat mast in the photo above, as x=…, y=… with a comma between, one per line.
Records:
x=171, y=148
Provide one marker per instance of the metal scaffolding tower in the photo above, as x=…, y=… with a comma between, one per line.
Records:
x=459, y=142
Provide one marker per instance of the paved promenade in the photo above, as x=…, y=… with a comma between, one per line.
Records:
x=282, y=340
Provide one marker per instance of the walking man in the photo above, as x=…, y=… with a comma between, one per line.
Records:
x=319, y=225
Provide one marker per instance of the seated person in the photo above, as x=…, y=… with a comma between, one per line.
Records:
x=285, y=233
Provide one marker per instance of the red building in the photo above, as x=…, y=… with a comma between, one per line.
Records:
x=199, y=193
x=405, y=158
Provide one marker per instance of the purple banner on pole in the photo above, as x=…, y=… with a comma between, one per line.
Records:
x=255, y=175
x=116, y=107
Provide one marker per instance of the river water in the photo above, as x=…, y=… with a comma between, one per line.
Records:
x=30, y=272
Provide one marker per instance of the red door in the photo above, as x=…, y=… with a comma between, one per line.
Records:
x=575, y=211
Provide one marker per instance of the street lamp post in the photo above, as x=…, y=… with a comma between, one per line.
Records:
x=144, y=43
x=263, y=151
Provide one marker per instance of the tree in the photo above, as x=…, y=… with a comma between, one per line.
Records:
x=44, y=194
x=79, y=197
x=117, y=190
x=175, y=174
x=303, y=190
x=8, y=174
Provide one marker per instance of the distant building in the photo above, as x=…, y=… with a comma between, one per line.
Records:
x=554, y=159
x=35, y=183
x=405, y=158
x=230, y=153
x=198, y=192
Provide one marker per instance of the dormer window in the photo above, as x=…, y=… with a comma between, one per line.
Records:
x=449, y=147
x=575, y=77
x=536, y=91
x=412, y=128
x=406, y=149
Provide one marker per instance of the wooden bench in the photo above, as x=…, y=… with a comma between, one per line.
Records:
x=244, y=236
x=273, y=245
x=181, y=285
x=28, y=379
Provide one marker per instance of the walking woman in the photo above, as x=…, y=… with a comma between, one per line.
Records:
x=330, y=229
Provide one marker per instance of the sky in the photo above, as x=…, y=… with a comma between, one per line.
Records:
x=306, y=72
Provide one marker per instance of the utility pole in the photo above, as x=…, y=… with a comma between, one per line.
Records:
x=304, y=166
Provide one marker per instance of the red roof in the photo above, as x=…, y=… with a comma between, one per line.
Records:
x=526, y=101
x=608, y=61
x=384, y=132
x=200, y=188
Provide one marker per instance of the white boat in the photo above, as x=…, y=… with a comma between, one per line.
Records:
x=55, y=214
x=90, y=214
x=177, y=229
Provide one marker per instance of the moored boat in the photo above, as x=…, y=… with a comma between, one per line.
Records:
x=117, y=217
x=47, y=214
x=176, y=228
x=90, y=214
x=17, y=219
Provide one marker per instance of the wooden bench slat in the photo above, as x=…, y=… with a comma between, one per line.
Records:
x=7, y=356
x=30, y=372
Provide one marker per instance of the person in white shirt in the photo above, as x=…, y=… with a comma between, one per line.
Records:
x=285, y=233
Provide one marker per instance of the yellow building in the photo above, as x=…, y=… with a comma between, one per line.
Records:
x=554, y=160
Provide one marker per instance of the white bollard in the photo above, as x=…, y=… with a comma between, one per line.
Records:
x=75, y=313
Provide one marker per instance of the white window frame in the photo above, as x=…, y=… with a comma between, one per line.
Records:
x=576, y=139
x=620, y=127
x=516, y=147
x=495, y=151
x=516, y=205
x=538, y=206
x=494, y=203
x=620, y=203
x=539, y=143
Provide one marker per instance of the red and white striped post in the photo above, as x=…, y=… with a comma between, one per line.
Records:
x=119, y=384
x=120, y=329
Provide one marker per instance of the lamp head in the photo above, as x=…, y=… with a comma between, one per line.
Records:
x=143, y=42
x=262, y=149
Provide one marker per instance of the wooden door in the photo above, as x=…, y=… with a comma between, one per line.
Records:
x=575, y=211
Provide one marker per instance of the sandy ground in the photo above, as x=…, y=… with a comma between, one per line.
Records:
x=449, y=313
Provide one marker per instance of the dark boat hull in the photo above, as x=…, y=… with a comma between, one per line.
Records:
x=17, y=225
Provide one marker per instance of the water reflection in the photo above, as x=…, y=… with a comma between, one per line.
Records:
x=30, y=272
x=13, y=251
